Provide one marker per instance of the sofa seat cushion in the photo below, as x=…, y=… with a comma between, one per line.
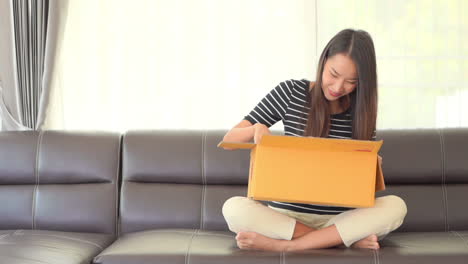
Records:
x=180, y=246
x=196, y=246
x=425, y=247
x=51, y=247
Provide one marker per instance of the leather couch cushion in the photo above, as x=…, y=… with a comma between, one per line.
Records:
x=424, y=156
x=187, y=178
x=51, y=247
x=204, y=247
x=178, y=179
x=146, y=206
x=59, y=180
x=425, y=247
x=180, y=246
x=17, y=157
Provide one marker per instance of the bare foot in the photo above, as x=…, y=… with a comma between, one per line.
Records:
x=256, y=241
x=369, y=242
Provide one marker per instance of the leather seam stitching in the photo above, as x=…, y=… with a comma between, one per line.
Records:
x=377, y=258
x=444, y=187
x=187, y=255
x=36, y=176
x=69, y=238
x=457, y=234
x=202, y=206
x=445, y=183
x=117, y=199
x=189, y=232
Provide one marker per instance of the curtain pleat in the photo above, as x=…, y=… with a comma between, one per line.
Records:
x=30, y=29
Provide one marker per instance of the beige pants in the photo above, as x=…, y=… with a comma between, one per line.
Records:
x=245, y=214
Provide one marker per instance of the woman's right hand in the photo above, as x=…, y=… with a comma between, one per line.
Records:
x=259, y=131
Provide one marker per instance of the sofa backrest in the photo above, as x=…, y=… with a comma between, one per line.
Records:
x=59, y=181
x=180, y=179
x=428, y=168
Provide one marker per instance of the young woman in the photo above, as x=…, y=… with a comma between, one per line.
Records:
x=341, y=103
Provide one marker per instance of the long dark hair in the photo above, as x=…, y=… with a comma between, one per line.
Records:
x=358, y=45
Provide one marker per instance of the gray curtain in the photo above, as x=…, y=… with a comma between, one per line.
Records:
x=29, y=30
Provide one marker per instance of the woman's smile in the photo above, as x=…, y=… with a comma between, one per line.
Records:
x=333, y=94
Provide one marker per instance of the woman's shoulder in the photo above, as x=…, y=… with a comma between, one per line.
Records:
x=294, y=89
x=301, y=86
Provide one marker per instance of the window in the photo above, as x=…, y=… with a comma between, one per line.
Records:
x=205, y=64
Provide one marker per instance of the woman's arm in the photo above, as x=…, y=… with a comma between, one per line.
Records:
x=245, y=131
x=266, y=113
x=242, y=132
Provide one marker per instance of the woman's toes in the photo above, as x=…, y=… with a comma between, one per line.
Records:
x=241, y=245
x=240, y=236
x=245, y=236
x=244, y=240
x=369, y=242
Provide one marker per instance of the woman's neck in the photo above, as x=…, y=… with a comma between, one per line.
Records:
x=336, y=107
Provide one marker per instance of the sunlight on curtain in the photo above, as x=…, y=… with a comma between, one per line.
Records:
x=177, y=64
x=204, y=64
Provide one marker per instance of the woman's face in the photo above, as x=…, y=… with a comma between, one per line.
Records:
x=339, y=77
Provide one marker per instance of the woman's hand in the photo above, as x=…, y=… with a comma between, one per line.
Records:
x=260, y=130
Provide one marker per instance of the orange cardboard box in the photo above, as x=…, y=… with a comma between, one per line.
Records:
x=336, y=172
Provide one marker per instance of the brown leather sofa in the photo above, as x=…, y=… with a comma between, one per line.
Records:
x=59, y=194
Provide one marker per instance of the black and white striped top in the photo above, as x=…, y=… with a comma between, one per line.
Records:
x=287, y=102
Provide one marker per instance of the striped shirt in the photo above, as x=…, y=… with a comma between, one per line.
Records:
x=288, y=102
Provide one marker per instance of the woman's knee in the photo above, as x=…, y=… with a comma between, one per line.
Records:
x=396, y=205
x=234, y=207
x=235, y=212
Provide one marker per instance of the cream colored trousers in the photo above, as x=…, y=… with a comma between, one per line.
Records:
x=245, y=214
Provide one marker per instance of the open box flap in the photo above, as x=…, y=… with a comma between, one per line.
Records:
x=321, y=144
x=251, y=185
x=236, y=145
x=380, y=182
